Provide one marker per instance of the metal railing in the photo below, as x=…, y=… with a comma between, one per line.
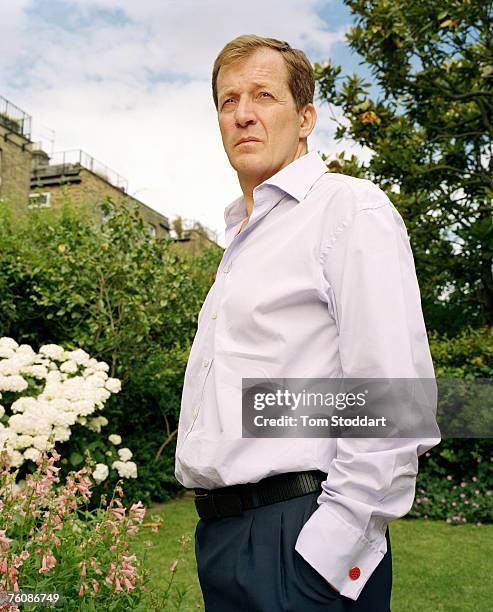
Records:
x=14, y=118
x=69, y=159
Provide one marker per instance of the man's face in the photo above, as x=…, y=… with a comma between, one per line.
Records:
x=254, y=102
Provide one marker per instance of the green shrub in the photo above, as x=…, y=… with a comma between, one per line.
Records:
x=455, y=480
x=123, y=297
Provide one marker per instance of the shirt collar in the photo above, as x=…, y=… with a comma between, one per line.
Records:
x=296, y=179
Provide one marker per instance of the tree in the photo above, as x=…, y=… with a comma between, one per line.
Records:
x=430, y=128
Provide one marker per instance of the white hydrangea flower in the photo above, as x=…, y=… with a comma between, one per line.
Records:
x=95, y=381
x=125, y=469
x=38, y=371
x=114, y=385
x=101, y=472
x=42, y=443
x=13, y=383
x=125, y=454
x=70, y=367
x=25, y=349
x=36, y=423
x=61, y=434
x=8, y=343
x=6, y=353
x=31, y=453
x=16, y=458
x=96, y=423
x=115, y=439
x=2, y=411
x=22, y=441
x=101, y=395
x=53, y=351
x=79, y=356
x=23, y=403
x=83, y=407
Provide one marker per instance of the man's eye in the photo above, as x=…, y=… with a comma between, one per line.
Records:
x=265, y=93
x=228, y=100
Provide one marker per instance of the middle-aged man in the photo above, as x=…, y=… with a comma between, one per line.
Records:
x=317, y=281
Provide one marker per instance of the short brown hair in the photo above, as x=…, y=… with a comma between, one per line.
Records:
x=301, y=81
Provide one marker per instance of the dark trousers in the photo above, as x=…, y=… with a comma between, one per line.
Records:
x=248, y=563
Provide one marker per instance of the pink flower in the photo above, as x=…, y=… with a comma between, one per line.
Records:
x=118, y=586
x=474, y=479
x=95, y=566
x=462, y=484
x=81, y=591
x=449, y=477
x=4, y=541
x=128, y=584
x=47, y=563
x=138, y=511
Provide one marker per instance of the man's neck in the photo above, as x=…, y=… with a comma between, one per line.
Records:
x=248, y=185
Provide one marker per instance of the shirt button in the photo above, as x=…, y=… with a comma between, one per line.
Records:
x=195, y=412
x=214, y=315
x=205, y=363
x=227, y=268
x=354, y=573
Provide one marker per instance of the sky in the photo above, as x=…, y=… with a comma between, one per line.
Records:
x=128, y=82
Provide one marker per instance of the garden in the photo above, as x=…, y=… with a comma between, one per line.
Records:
x=97, y=321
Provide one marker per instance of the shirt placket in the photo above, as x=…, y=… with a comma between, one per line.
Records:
x=224, y=272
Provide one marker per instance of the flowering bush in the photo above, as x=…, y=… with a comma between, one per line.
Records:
x=37, y=518
x=49, y=392
x=50, y=542
x=467, y=499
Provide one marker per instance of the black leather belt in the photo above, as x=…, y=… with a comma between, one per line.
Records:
x=233, y=500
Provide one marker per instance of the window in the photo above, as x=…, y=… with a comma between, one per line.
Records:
x=40, y=200
x=151, y=230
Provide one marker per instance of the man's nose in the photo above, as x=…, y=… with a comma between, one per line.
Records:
x=244, y=112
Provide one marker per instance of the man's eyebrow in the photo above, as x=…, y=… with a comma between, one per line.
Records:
x=257, y=85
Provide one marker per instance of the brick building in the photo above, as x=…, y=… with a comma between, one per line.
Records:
x=15, y=154
x=81, y=179
x=30, y=178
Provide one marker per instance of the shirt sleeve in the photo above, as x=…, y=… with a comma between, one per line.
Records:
x=373, y=290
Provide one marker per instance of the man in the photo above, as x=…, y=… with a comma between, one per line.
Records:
x=318, y=281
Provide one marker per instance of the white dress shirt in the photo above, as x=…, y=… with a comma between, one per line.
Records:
x=319, y=284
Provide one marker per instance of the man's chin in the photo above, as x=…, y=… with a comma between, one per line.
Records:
x=248, y=164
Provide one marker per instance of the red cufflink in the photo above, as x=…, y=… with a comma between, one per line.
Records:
x=354, y=573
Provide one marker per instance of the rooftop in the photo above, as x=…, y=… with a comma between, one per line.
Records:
x=69, y=163
x=14, y=119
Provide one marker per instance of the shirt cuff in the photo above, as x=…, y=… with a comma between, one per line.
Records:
x=333, y=547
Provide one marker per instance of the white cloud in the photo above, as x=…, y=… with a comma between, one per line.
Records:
x=132, y=87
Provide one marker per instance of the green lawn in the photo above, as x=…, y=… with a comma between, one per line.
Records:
x=436, y=566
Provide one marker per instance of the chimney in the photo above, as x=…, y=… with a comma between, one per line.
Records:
x=39, y=158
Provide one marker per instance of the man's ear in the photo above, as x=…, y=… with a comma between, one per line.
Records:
x=308, y=118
